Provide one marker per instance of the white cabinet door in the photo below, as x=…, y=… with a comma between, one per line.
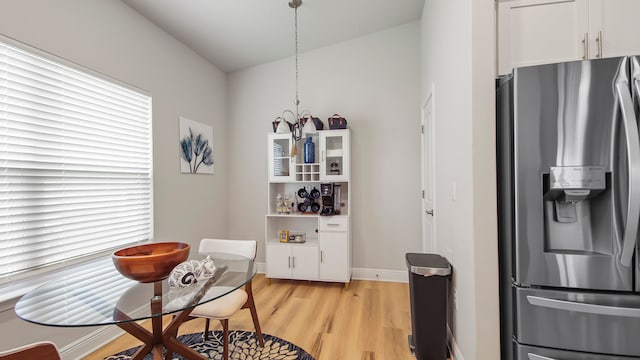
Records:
x=532, y=32
x=278, y=258
x=614, y=28
x=281, y=164
x=334, y=249
x=304, y=262
x=335, y=254
x=286, y=261
x=334, y=155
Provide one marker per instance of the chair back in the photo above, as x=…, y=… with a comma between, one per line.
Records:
x=246, y=248
x=44, y=350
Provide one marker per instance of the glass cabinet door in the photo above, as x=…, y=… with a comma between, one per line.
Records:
x=281, y=163
x=334, y=155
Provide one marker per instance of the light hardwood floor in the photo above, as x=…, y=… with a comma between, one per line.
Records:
x=369, y=321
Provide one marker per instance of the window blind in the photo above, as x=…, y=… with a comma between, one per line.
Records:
x=75, y=162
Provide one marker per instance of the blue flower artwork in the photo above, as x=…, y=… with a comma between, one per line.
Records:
x=196, y=147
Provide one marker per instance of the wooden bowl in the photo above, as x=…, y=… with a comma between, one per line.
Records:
x=150, y=262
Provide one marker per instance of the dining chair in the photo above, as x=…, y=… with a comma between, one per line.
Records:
x=223, y=308
x=43, y=350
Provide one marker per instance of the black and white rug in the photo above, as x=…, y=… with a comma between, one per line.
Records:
x=242, y=345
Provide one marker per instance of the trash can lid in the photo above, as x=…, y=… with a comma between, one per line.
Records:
x=428, y=264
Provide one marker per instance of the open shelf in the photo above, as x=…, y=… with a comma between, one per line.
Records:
x=295, y=215
x=309, y=242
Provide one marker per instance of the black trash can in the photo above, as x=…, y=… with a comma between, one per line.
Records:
x=429, y=276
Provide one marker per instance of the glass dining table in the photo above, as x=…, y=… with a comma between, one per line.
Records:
x=97, y=294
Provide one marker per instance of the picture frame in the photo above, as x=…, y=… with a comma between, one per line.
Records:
x=195, y=147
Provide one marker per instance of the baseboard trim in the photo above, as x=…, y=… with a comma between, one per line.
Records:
x=454, y=350
x=363, y=274
x=261, y=267
x=380, y=275
x=89, y=343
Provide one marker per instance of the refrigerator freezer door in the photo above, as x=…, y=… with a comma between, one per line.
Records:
x=524, y=352
x=578, y=321
x=567, y=120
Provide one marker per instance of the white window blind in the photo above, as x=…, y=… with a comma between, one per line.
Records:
x=75, y=162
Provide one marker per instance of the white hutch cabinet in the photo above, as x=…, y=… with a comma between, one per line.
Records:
x=325, y=254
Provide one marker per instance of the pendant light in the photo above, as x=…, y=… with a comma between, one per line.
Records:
x=298, y=130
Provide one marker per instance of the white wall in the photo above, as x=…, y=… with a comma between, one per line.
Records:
x=108, y=37
x=458, y=61
x=372, y=81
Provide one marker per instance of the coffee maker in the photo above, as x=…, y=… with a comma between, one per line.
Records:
x=331, y=198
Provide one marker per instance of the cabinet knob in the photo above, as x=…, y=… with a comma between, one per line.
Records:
x=585, y=46
x=429, y=212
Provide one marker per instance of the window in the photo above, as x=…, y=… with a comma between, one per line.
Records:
x=75, y=161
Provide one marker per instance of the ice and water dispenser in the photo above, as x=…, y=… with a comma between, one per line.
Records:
x=577, y=200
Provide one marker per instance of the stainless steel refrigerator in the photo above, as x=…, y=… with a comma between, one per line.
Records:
x=569, y=206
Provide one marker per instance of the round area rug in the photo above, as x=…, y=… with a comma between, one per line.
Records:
x=242, y=345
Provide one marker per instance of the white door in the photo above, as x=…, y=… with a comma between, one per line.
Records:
x=428, y=223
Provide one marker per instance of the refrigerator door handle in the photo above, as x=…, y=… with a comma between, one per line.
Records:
x=539, y=357
x=583, y=307
x=633, y=151
x=635, y=79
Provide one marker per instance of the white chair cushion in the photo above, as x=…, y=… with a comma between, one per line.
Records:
x=223, y=307
x=246, y=248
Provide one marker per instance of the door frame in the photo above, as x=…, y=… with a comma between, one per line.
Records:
x=428, y=108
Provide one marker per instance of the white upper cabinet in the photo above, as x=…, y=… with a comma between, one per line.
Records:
x=614, y=27
x=334, y=155
x=281, y=163
x=330, y=160
x=532, y=32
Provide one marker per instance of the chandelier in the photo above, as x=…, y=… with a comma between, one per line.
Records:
x=302, y=123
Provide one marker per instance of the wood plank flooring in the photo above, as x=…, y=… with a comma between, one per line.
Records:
x=370, y=320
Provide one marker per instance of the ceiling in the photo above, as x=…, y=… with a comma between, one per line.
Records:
x=236, y=34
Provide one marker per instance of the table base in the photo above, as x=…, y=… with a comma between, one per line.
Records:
x=158, y=338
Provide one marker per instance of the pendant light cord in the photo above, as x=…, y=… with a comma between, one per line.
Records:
x=296, y=56
x=296, y=47
x=296, y=127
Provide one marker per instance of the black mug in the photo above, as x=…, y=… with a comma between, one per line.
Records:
x=315, y=207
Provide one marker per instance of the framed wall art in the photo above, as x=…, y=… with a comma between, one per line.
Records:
x=196, y=147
